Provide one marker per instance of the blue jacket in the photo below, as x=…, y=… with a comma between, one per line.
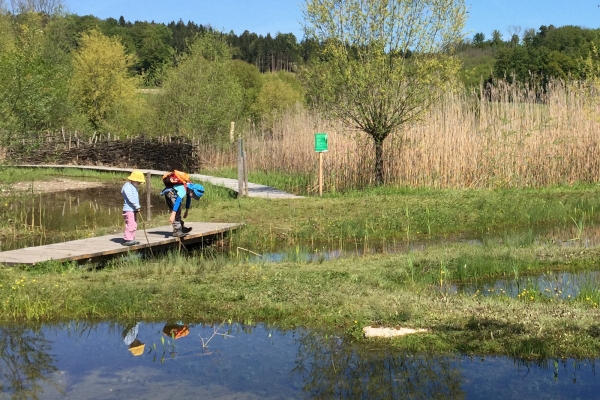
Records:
x=181, y=192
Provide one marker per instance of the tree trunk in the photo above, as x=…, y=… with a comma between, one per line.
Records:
x=379, y=162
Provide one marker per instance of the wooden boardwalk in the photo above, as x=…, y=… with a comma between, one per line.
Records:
x=111, y=245
x=254, y=189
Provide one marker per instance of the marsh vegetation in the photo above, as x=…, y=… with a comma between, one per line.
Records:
x=405, y=250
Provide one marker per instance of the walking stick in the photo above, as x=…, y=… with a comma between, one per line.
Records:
x=146, y=233
x=182, y=245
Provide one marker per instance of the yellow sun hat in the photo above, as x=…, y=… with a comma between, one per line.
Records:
x=138, y=350
x=137, y=176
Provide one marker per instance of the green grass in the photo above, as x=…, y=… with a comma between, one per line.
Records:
x=347, y=294
x=332, y=295
x=296, y=183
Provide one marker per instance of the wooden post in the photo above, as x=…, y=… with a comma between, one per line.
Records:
x=240, y=167
x=320, y=173
x=245, y=160
x=148, y=196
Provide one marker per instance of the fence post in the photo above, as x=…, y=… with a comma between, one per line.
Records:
x=245, y=160
x=240, y=168
x=148, y=196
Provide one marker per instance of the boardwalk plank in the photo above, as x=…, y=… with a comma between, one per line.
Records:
x=101, y=246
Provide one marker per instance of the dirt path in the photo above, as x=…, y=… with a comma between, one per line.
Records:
x=54, y=185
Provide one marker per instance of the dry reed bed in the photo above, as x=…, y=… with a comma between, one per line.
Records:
x=509, y=137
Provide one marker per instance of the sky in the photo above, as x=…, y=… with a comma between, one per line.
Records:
x=273, y=16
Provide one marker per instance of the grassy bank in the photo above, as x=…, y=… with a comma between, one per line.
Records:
x=407, y=288
x=404, y=289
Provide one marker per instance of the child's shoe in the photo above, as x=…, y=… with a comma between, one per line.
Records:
x=130, y=243
x=179, y=233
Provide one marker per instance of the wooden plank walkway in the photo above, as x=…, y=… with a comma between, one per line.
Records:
x=254, y=189
x=111, y=245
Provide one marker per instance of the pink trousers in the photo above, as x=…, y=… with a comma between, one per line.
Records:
x=130, y=225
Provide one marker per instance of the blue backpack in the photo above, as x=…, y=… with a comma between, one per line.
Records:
x=196, y=188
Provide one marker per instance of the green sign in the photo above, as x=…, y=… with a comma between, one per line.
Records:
x=320, y=142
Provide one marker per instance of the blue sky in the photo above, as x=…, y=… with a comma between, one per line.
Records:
x=272, y=16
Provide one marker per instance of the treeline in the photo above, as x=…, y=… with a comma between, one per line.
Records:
x=85, y=74
x=567, y=52
x=534, y=57
x=157, y=44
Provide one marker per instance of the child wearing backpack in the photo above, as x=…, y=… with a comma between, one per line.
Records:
x=177, y=187
x=131, y=206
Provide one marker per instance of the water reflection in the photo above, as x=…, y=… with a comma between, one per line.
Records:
x=568, y=235
x=131, y=340
x=45, y=218
x=27, y=363
x=334, y=368
x=89, y=361
x=560, y=285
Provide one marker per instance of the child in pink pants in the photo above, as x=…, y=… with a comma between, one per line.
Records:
x=131, y=205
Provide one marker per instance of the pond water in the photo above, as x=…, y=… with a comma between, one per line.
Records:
x=58, y=216
x=161, y=360
x=564, y=285
x=559, y=285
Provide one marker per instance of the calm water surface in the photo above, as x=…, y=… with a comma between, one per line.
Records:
x=55, y=217
x=159, y=361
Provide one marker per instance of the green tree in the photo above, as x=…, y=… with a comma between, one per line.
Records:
x=153, y=47
x=102, y=90
x=383, y=62
x=496, y=38
x=251, y=81
x=479, y=39
x=280, y=92
x=200, y=97
x=33, y=76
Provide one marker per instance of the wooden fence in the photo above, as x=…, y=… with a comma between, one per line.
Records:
x=161, y=153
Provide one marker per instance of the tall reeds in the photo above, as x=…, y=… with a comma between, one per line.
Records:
x=505, y=136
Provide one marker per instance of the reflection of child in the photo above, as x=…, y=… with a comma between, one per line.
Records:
x=131, y=205
x=176, y=331
x=130, y=339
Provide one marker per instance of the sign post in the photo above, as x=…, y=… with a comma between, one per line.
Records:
x=321, y=147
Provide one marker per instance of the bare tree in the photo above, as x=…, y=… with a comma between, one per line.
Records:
x=44, y=6
x=514, y=30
